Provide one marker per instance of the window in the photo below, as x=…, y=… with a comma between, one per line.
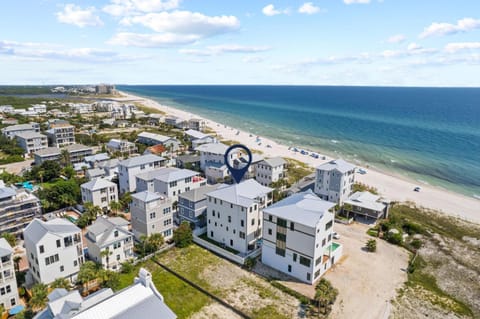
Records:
x=117, y=245
x=308, y=276
x=242, y=223
x=294, y=257
x=251, y=209
x=292, y=226
x=142, y=166
x=75, y=263
x=241, y=235
x=231, y=242
x=324, y=241
x=280, y=251
x=318, y=261
x=281, y=237
x=62, y=268
x=289, y=268
x=329, y=225
x=167, y=222
x=42, y=249
x=2, y=291
x=317, y=273
x=229, y=219
x=166, y=210
x=211, y=234
x=152, y=215
x=231, y=205
x=115, y=233
x=269, y=231
x=12, y=302
x=253, y=222
x=213, y=213
x=67, y=241
x=305, y=261
x=270, y=218
x=59, y=244
x=329, y=237
x=281, y=222
x=118, y=257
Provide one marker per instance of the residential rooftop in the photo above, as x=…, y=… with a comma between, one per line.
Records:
x=338, y=164
x=157, y=137
x=5, y=248
x=147, y=196
x=141, y=160
x=196, y=134
x=244, y=194
x=214, y=148
x=29, y=135
x=274, y=161
x=198, y=194
x=106, y=226
x=97, y=184
x=60, y=226
x=366, y=200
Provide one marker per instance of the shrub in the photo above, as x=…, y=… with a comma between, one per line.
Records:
x=127, y=267
x=183, y=236
x=371, y=245
x=416, y=243
x=372, y=232
x=250, y=263
x=396, y=239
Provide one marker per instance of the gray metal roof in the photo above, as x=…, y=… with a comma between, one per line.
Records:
x=77, y=147
x=49, y=151
x=59, y=226
x=274, y=161
x=196, y=134
x=109, y=163
x=151, y=175
x=6, y=192
x=198, y=194
x=141, y=160
x=366, y=200
x=304, y=208
x=29, y=134
x=97, y=157
x=214, y=148
x=176, y=175
x=338, y=164
x=5, y=248
x=243, y=194
x=18, y=127
x=188, y=158
x=97, y=183
x=157, y=137
x=147, y=196
x=106, y=226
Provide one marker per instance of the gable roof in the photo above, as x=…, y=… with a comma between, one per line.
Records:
x=97, y=183
x=198, y=194
x=338, y=164
x=243, y=194
x=105, y=226
x=5, y=248
x=37, y=228
x=215, y=148
x=196, y=134
x=366, y=200
x=100, y=157
x=156, y=137
x=304, y=208
x=141, y=160
x=147, y=196
x=6, y=192
x=176, y=175
x=274, y=161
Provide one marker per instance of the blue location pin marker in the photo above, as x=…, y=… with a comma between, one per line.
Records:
x=238, y=173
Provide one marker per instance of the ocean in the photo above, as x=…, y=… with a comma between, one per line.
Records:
x=431, y=135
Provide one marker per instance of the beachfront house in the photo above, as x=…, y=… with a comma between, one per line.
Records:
x=152, y=213
x=270, y=170
x=141, y=300
x=176, y=122
x=100, y=192
x=334, y=180
x=192, y=205
x=109, y=242
x=11, y=131
x=191, y=161
x=17, y=209
x=235, y=213
x=197, y=124
x=54, y=250
x=8, y=282
x=366, y=205
x=31, y=141
x=198, y=138
x=148, y=138
x=214, y=154
x=297, y=236
x=129, y=168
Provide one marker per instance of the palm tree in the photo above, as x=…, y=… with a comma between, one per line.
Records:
x=92, y=211
x=41, y=174
x=16, y=262
x=64, y=158
x=325, y=295
x=106, y=253
x=39, y=296
x=115, y=206
x=61, y=283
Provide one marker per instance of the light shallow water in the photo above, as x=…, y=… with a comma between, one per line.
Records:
x=428, y=134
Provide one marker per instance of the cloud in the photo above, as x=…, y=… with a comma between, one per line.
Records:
x=224, y=48
x=152, y=40
x=441, y=29
x=121, y=8
x=185, y=22
x=397, y=38
x=356, y=1
x=461, y=46
x=253, y=59
x=42, y=51
x=75, y=15
x=413, y=49
x=269, y=10
x=308, y=8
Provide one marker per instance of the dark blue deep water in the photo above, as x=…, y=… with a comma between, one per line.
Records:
x=429, y=134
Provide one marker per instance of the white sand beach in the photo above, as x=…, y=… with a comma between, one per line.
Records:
x=395, y=188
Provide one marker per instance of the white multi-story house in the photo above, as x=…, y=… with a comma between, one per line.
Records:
x=145, y=181
x=177, y=181
x=214, y=153
x=17, y=209
x=129, y=168
x=141, y=300
x=8, y=282
x=297, y=236
x=151, y=213
x=124, y=147
x=11, y=131
x=54, y=250
x=198, y=138
x=61, y=133
x=100, y=192
x=197, y=124
x=31, y=141
x=109, y=242
x=234, y=214
x=192, y=205
x=334, y=180
x=270, y=170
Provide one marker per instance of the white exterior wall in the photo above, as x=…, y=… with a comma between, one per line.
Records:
x=126, y=176
x=228, y=233
x=101, y=197
x=303, y=241
x=323, y=180
x=8, y=282
x=145, y=224
x=118, y=255
x=31, y=145
x=265, y=174
x=172, y=189
x=69, y=257
x=213, y=173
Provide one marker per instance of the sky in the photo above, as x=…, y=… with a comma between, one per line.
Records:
x=312, y=42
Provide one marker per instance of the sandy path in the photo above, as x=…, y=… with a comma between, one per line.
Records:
x=395, y=188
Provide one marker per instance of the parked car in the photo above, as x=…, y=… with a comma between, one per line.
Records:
x=417, y=189
x=336, y=235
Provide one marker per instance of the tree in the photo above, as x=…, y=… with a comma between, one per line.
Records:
x=64, y=158
x=16, y=262
x=39, y=296
x=10, y=238
x=91, y=212
x=183, y=236
x=371, y=245
x=106, y=253
x=61, y=283
x=110, y=279
x=325, y=295
x=69, y=172
x=127, y=267
x=125, y=200
x=88, y=272
x=115, y=206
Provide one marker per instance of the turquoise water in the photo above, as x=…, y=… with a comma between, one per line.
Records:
x=428, y=134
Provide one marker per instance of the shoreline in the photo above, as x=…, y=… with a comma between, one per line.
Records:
x=389, y=184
